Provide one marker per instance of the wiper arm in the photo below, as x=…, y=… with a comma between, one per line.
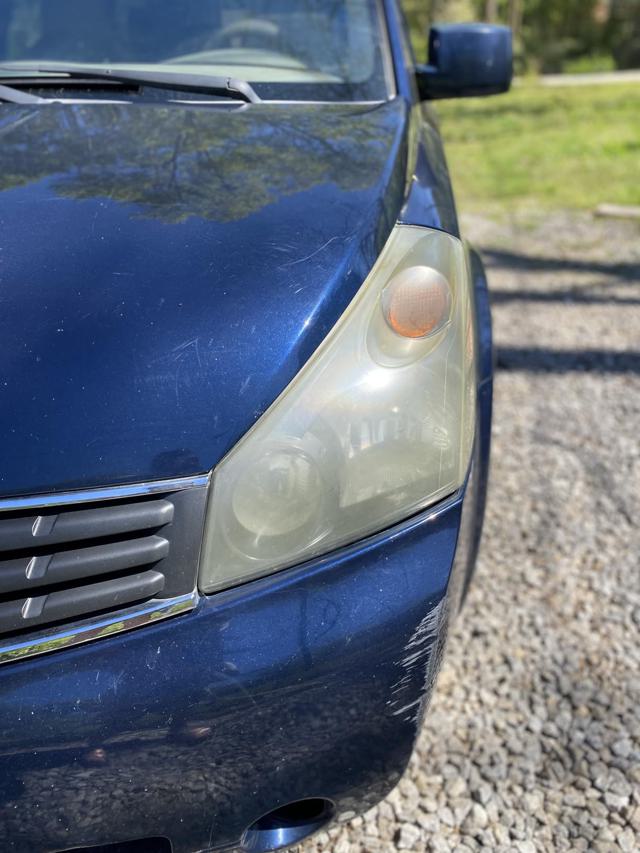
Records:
x=228, y=87
x=15, y=96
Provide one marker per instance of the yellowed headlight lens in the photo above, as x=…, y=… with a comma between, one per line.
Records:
x=376, y=426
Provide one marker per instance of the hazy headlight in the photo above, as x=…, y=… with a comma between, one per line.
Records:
x=377, y=425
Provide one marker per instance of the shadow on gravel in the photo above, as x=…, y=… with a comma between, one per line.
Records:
x=575, y=296
x=544, y=360
x=628, y=271
x=539, y=360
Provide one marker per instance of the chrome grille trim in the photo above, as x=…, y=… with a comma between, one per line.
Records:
x=111, y=493
x=151, y=548
x=50, y=641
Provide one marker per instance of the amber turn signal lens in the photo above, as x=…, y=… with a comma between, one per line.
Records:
x=417, y=302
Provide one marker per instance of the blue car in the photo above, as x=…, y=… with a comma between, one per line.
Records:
x=245, y=404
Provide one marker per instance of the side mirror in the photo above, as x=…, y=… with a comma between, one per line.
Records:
x=466, y=60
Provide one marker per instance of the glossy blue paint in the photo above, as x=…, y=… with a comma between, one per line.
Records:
x=466, y=60
x=430, y=196
x=146, y=250
x=429, y=199
x=160, y=286
x=485, y=361
x=208, y=721
x=401, y=52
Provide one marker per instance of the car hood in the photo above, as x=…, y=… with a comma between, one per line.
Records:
x=165, y=271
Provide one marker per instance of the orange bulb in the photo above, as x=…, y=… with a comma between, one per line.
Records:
x=417, y=302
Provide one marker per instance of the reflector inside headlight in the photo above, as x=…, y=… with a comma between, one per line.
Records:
x=377, y=425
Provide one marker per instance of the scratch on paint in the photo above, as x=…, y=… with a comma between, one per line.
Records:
x=312, y=255
x=117, y=679
x=182, y=348
x=424, y=649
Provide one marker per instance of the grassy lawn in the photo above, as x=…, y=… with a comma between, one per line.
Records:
x=539, y=148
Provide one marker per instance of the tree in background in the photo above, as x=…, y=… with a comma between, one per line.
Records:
x=623, y=33
x=554, y=32
x=422, y=13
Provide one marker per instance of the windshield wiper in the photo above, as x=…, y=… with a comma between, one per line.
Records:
x=15, y=96
x=227, y=87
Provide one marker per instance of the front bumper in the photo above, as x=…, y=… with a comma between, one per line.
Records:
x=309, y=683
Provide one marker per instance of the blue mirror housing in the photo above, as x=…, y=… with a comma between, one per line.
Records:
x=466, y=60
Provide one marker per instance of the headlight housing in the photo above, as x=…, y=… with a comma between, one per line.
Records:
x=377, y=425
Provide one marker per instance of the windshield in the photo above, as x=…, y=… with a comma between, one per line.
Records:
x=287, y=49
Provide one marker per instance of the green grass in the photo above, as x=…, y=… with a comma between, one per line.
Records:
x=541, y=148
x=589, y=64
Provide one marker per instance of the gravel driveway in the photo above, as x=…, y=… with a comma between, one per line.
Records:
x=533, y=739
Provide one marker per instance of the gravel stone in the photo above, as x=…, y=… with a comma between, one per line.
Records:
x=430, y=823
x=408, y=837
x=461, y=809
x=456, y=787
x=622, y=748
x=532, y=740
x=627, y=840
x=614, y=801
x=477, y=819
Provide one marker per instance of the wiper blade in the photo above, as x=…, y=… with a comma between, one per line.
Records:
x=15, y=96
x=228, y=87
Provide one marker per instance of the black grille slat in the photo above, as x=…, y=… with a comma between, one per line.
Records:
x=80, y=560
x=69, y=603
x=30, y=572
x=42, y=531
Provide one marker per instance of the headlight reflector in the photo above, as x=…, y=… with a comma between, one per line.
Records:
x=376, y=426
